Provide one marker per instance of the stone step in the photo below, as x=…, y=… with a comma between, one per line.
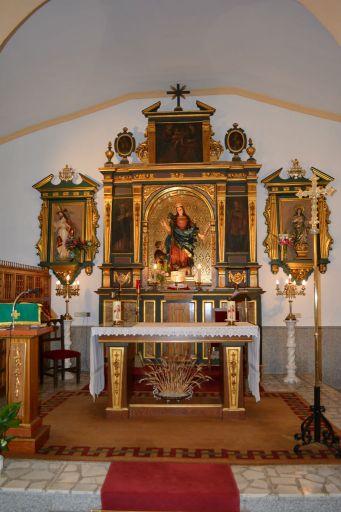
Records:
x=31, y=485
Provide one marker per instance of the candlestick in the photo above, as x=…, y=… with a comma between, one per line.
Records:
x=138, y=291
x=290, y=291
x=67, y=291
x=199, y=273
x=230, y=312
x=117, y=312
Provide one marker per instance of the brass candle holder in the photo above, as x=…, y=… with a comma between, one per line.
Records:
x=290, y=292
x=67, y=291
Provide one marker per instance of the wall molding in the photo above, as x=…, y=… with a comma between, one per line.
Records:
x=218, y=91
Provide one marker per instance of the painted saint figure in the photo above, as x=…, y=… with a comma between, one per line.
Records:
x=180, y=242
x=64, y=229
x=122, y=234
x=237, y=226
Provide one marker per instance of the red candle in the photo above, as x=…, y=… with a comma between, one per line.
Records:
x=138, y=284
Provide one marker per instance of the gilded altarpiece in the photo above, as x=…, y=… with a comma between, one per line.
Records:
x=180, y=176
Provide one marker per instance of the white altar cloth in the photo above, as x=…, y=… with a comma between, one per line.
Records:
x=185, y=330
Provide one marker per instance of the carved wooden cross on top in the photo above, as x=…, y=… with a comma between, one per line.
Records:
x=178, y=92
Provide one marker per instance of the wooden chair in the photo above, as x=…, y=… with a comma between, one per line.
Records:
x=57, y=355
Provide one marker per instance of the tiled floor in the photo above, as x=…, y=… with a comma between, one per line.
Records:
x=37, y=485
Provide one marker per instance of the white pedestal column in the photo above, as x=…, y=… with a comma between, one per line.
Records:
x=67, y=344
x=291, y=377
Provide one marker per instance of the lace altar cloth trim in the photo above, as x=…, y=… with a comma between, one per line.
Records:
x=203, y=330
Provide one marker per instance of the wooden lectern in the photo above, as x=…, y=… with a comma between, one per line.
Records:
x=22, y=385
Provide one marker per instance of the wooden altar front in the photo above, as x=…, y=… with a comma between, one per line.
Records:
x=121, y=346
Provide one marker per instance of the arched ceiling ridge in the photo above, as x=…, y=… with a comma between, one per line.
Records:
x=74, y=58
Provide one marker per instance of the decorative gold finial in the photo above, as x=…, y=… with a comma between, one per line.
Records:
x=67, y=173
x=216, y=149
x=109, y=154
x=296, y=171
x=251, y=150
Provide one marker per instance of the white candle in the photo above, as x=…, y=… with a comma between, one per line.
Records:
x=116, y=311
x=231, y=311
x=199, y=273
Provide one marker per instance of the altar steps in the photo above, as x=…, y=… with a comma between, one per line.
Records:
x=61, y=486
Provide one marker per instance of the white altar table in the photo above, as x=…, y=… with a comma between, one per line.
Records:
x=232, y=338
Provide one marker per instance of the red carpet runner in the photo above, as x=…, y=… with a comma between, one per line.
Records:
x=162, y=486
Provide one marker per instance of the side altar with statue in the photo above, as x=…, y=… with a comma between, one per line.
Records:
x=180, y=226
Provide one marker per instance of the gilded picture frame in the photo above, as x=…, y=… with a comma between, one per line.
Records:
x=68, y=224
x=289, y=242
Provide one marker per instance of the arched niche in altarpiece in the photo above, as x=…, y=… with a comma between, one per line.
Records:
x=199, y=207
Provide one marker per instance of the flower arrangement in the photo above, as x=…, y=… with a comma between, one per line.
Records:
x=8, y=419
x=285, y=241
x=75, y=246
x=160, y=276
x=174, y=378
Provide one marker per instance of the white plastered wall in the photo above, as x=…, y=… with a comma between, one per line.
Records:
x=279, y=135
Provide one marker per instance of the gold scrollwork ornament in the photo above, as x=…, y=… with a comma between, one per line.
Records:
x=142, y=150
x=216, y=149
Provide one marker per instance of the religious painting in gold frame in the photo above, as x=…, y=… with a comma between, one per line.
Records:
x=179, y=142
x=289, y=243
x=68, y=224
x=177, y=136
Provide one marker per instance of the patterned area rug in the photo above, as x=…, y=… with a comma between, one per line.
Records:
x=81, y=431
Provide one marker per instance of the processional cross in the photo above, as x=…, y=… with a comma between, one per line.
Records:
x=317, y=420
x=315, y=193
x=178, y=92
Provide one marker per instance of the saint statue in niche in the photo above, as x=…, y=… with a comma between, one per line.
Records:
x=299, y=232
x=182, y=237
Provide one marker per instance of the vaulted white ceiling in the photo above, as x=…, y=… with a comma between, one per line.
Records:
x=72, y=57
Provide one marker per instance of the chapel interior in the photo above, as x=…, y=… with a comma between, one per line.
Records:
x=170, y=204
